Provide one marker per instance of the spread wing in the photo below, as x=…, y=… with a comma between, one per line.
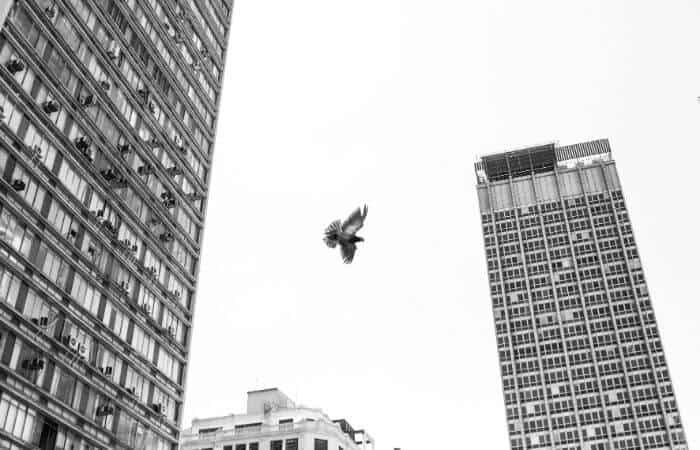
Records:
x=330, y=236
x=347, y=251
x=355, y=221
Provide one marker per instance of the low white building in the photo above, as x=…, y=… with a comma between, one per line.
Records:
x=273, y=422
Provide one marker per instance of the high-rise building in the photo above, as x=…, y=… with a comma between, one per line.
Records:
x=107, y=124
x=581, y=359
x=272, y=421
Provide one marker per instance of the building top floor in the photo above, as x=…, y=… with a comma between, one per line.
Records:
x=271, y=417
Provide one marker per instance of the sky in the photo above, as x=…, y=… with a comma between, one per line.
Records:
x=328, y=105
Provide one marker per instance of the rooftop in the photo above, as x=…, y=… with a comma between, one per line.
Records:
x=538, y=159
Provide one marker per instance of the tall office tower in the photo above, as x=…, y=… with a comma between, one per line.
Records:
x=581, y=359
x=108, y=112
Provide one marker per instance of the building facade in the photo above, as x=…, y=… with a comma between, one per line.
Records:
x=581, y=359
x=274, y=422
x=108, y=111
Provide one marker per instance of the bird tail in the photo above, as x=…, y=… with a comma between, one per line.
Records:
x=331, y=234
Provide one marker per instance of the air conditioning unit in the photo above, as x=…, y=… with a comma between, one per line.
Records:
x=131, y=390
x=50, y=12
x=88, y=100
x=171, y=331
x=145, y=307
x=174, y=171
x=50, y=106
x=106, y=371
x=15, y=65
x=105, y=85
x=124, y=149
x=82, y=143
x=34, y=364
x=40, y=321
x=108, y=174
x=105, y=410
x=157, y=408
x=75, y=346
x=72, y=233
x=18, y=185
x=145, y=169
x=36, y=152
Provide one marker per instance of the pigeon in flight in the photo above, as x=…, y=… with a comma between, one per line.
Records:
x=344, y=234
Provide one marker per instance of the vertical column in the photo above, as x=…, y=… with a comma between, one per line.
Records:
x=613, y=316
x=532, y=315
x=584, y=306
x=556, y=296
x=640, y=314
x=507, y=320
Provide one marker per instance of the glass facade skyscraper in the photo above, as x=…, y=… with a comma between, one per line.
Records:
x=581, y=359
x=108, y=111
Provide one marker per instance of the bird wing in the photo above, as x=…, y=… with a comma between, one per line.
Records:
x=355, y=221
x=347, y=251
x=331, y=234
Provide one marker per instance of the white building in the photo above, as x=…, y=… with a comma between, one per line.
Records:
x=273, y=422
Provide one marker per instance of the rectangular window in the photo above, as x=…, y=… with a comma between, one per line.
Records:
x=320, y=444
x=291, y=444
x=238, y=447
x=275, y=445
x=253, y=446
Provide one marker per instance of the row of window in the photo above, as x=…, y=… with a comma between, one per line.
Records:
x=26, y=184
x=55, y=268
x=98, y=112
x=278, y=444
x=97, y=407
x=175, y=65
x=97, y=257
x=74, y=39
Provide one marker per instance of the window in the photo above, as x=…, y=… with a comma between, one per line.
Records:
x=291, y=444
x=275, y=445
x=253, y=446
x=286, y=424
x=238, y=447
x=320, y=444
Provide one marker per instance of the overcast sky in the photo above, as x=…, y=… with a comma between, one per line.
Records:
x=330, y=104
